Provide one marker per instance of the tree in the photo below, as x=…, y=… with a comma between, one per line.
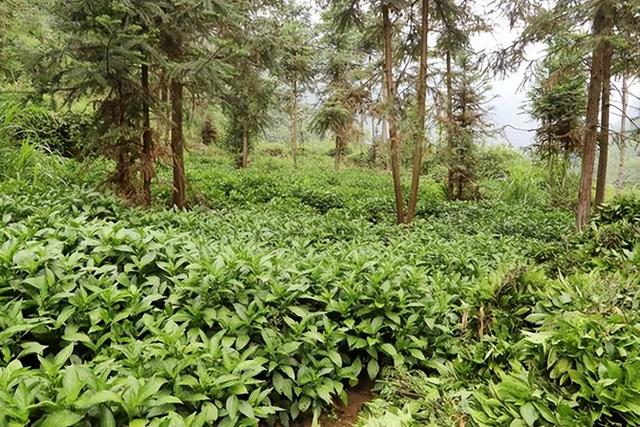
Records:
x=297, y=68
x=187, y=38
x=470, y=122
x=602, y=24
x=458, y=23
x=622, y=138
x=101, y=58
x=250, y=87
x=420, y=138
x=248, y=102
x=390, y=100
x=564, y=16
x=557, y=101
x=343, y=93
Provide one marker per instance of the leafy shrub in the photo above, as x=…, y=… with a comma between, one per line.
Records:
x=291, y=286
x=62, y=133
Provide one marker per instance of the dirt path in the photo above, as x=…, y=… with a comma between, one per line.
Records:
x=345, y=416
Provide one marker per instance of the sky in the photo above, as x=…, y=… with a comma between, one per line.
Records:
x=509, y=94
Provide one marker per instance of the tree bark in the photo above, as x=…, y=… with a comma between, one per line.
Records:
x=390, y=101
x=600, y=24
x=603, y=158
x=147, y=138
x=383, y=141
x=339, y=149
x=294, y=124
x=451, y=185
x=623, y=130
x=244, y=161
x=374, y=142
x=177, y=144
x=420, y=140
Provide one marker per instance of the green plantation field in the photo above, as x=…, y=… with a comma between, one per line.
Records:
x=281, y=290
x=295, y=213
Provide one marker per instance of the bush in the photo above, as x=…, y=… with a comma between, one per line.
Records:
x=62, y=133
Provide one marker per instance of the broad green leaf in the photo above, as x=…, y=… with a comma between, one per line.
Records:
x=232, y=405
x=62, y=419
x=373, y=368
x=389, y=349
x=529, y=414
x=106, y=417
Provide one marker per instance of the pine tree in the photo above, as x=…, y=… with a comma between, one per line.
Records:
x=102, y=55
x=470, y=123
x=190, y=32
x=297, y=67
x=558, y=101
x=343, y=93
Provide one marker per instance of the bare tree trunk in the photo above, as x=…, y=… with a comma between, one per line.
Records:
x=338, y=155
x=603, y=159
x=374, y=142
x=451, y=185
x=124, y=174
x=177, y=144
x=601, y=23
x=623, y=130
x=294, y=124
x=420, y=139
x=362, y=139
x=244, y=161
x=147, y=138
x=164, y=101
x=383, y=141
x=192, y=118
x=390, y=101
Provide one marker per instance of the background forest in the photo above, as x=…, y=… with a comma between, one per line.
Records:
x=278, y=212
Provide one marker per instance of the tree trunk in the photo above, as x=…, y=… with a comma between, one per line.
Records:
x=603, y=159
x=390, y=101
x=623, y=130
x=600, y=25
x=177, y=145
x=294, y=124
x=420, y=140
x=147, y=138
x=374, y=142
x=164, y=101
x=383, y=141
x=244, y=161
x=338, y=156
x=451, y=185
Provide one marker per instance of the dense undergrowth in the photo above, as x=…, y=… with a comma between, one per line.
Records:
x=282, y=288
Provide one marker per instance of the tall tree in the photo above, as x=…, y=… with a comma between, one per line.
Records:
x=188, y=30
x=250, y=88
x=557, y=101
x=343, y=92
x=622, y=137
x=602, y=24
x=297, y=67
x=101, y=57
x=420, y=135
x=542, y=20
x=392, y=118
x=470, y=122
x=603, y=137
